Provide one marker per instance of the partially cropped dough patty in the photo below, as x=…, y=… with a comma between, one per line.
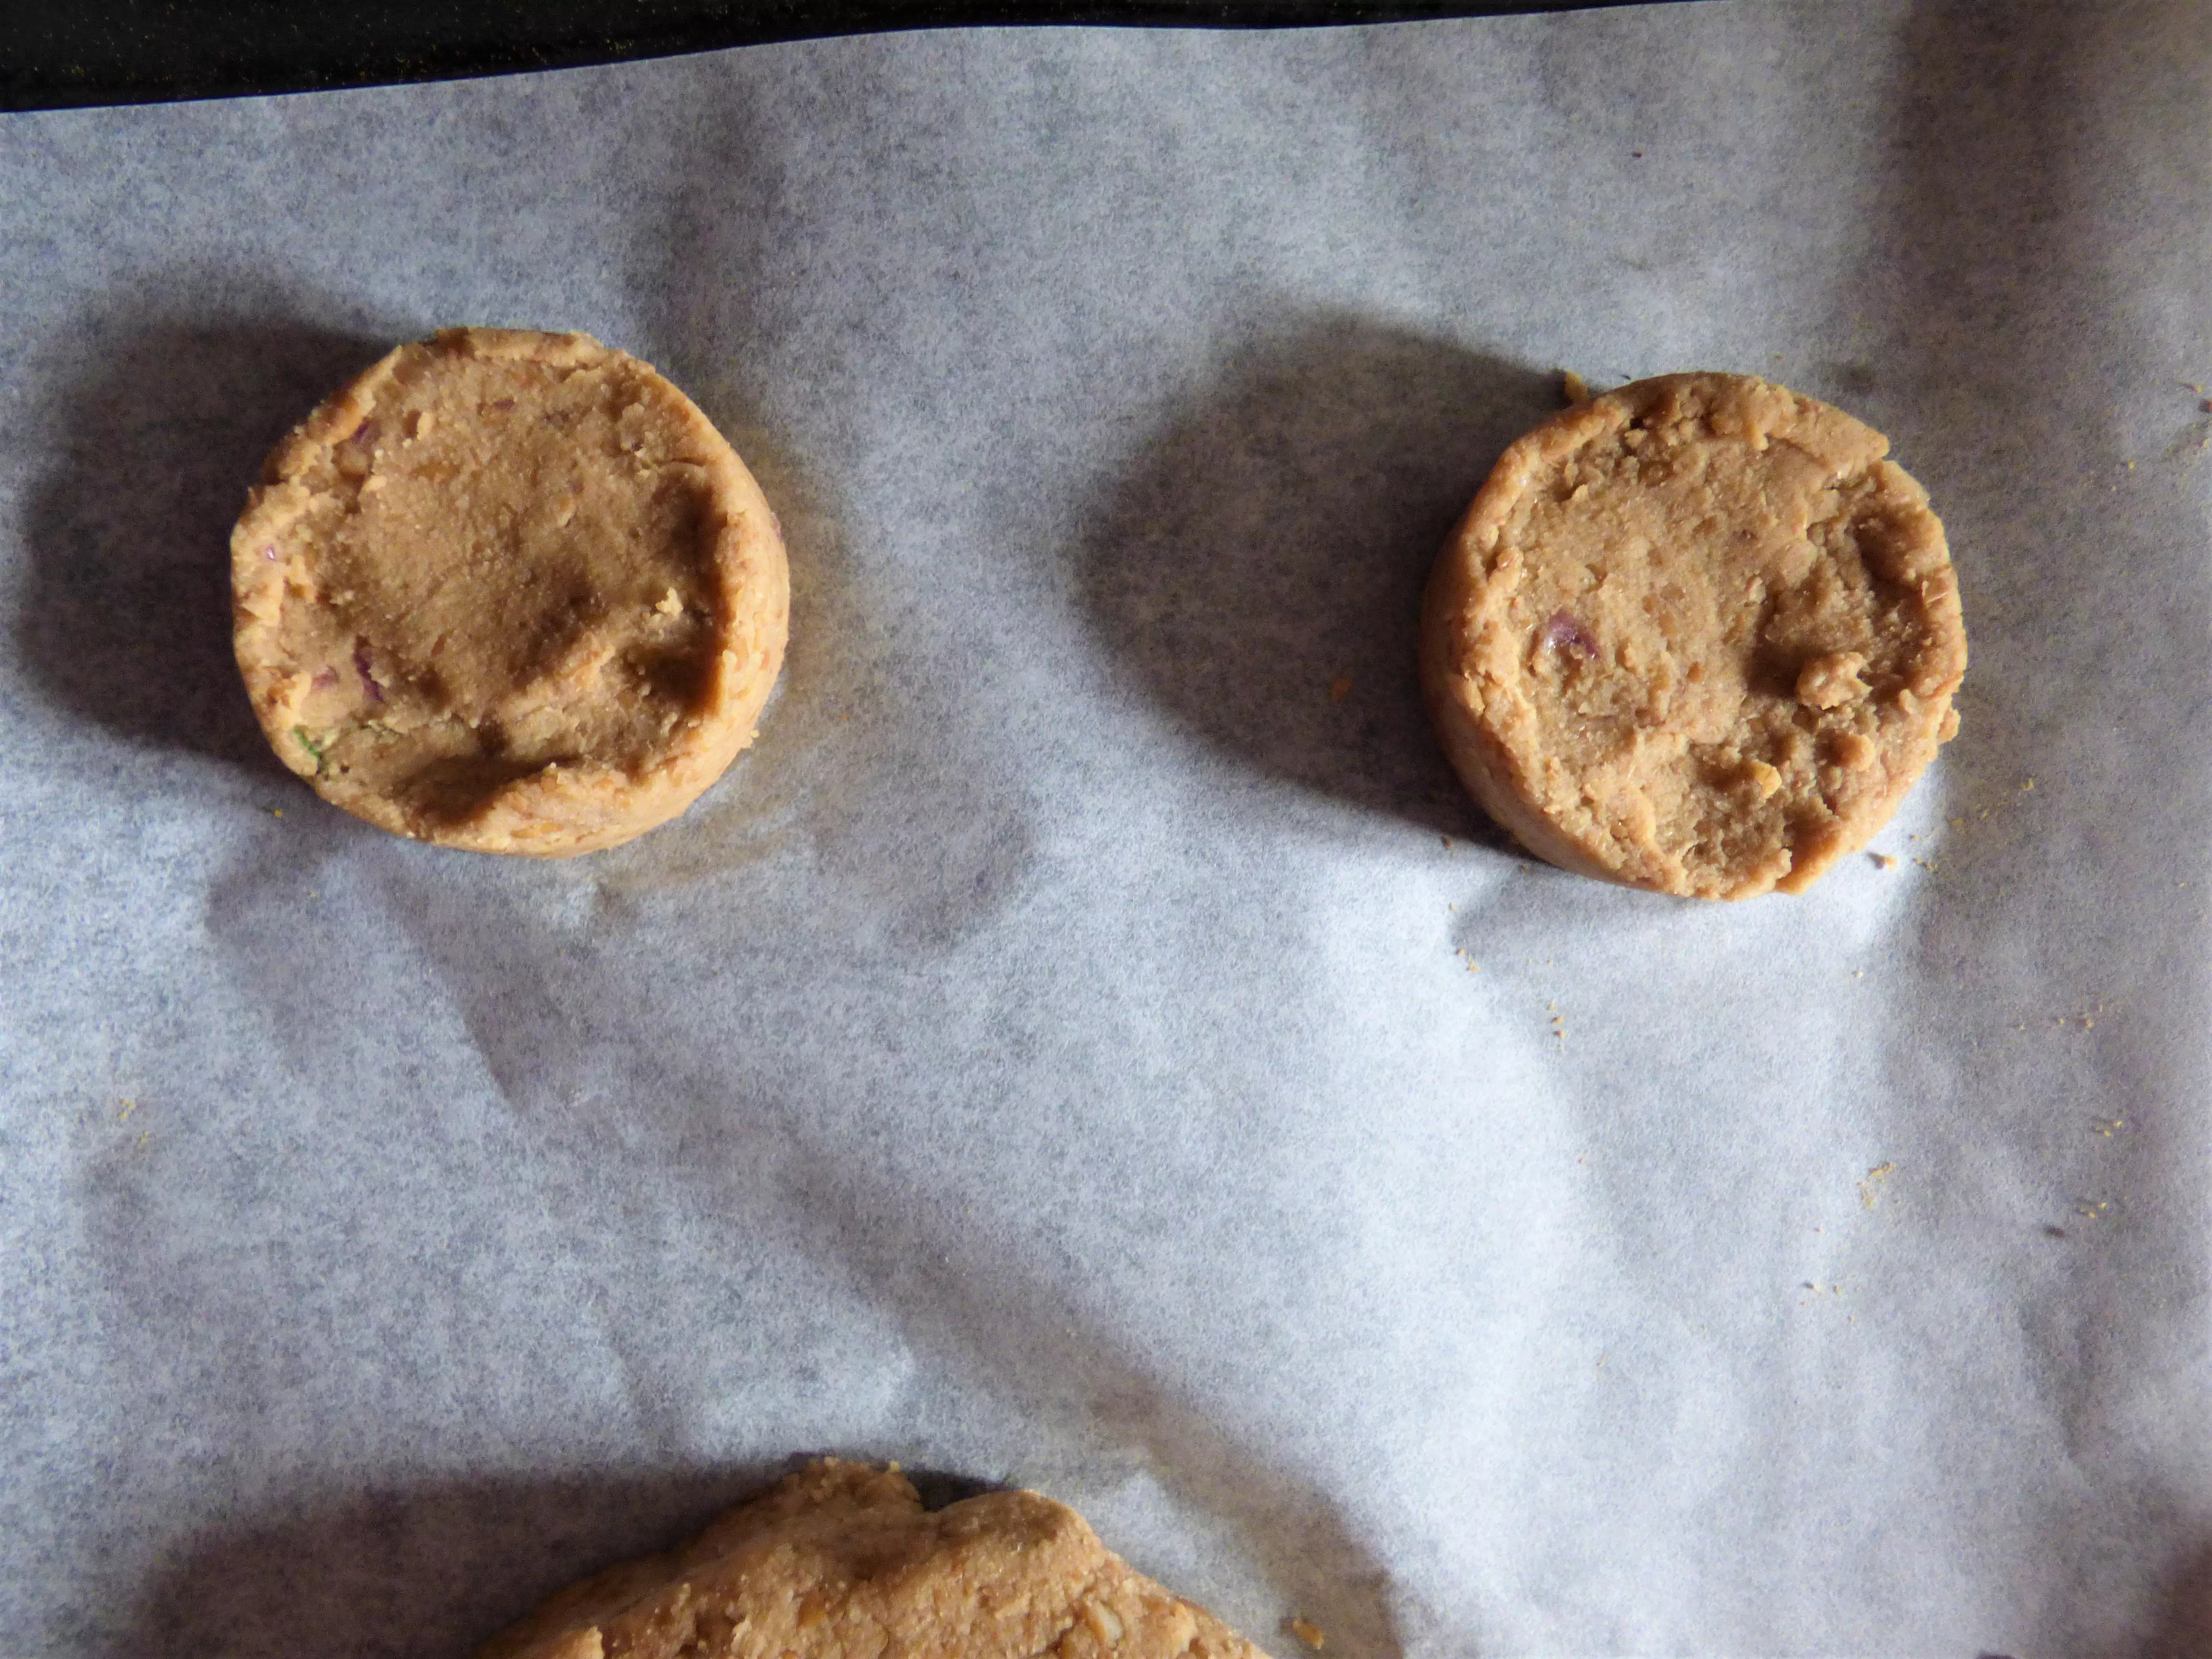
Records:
x=840, y=1561
x=1696, y=635
x=510, y=591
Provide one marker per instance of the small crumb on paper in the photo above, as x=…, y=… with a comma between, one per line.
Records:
x=1339, y=688
x=1309, y=1633
x=1870, y=1188
x=1884, y=861
x=1573, y=387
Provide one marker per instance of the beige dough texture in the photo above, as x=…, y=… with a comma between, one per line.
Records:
x=840, y=1561
x=510, y=592
x=1696, y=635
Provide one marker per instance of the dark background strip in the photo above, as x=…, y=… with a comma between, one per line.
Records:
x=59, y=54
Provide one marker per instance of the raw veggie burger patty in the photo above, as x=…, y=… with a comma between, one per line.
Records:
x=1696, y=635
x=840, y=1561
x=510, y=592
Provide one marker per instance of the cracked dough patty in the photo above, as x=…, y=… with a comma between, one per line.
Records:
x=510, y=592
x=1696, y=635
x=840, y=1561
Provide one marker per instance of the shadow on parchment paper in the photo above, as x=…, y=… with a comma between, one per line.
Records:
x=1258, y=569
x=161, y=417
x=434, y=1569
x=2184, y=1626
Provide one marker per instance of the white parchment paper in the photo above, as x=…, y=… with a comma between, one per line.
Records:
x=1058, y=1054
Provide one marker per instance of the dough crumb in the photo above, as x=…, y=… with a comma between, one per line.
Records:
x=1573, y=387
x=1309, y=1633
x=1870, y=1188
x=1831, y=680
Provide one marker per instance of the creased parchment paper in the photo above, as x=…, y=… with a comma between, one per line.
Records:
x=1090, y=1042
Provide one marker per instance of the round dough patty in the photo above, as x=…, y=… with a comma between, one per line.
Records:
x=1695, y=635
x=840, y=1561
x=510, y=592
